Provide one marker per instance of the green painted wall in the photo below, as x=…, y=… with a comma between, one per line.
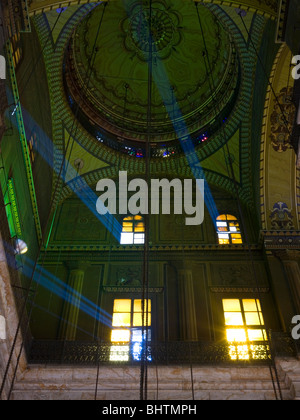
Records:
x=267, y=54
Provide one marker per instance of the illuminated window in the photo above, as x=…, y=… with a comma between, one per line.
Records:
x=228, y=230
x=32, y=146
x=133, y=231
x=12, y=211
x=16, y=48
x=245, y=330
x=127, y=333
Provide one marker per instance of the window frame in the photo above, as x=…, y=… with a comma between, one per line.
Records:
x=248, y=349
x=229, y=218
x=138, y=237
x=130, y=347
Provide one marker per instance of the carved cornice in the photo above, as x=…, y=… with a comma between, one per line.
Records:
x=154, y=248
x=239, y=289
x=131, y=254
x=113, y=289
x=285, y=239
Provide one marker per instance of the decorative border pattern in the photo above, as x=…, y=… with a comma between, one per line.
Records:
x=14, y=207
x=23, y=141
x=167, y=248
x=239, y=289
x=113, y=289
x=59, y=107
x=267, y=8
x=264, y=150
x=263, y=145
x=285, y=239
x=281, y=21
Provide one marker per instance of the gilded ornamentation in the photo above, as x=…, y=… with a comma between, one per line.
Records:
x=281, y=217
x=116, y=100
x=282, y=120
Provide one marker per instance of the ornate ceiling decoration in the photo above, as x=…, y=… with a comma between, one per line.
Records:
x=166, y=33
x=282, y=120
x=268, y=8
x=237, y=125
x=113, y=99
x=279, y=177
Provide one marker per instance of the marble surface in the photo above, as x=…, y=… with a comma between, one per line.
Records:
x=164, y=383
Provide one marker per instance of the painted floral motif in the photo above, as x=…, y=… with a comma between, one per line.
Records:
x=282, y=120
x=166, y=32
x=281, y=217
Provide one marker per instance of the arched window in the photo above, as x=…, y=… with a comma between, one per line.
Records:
x=228, y=230
x=133, y=230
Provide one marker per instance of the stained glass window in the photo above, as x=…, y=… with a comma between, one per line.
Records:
x=228, y=230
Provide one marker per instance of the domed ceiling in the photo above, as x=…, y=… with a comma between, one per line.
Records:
x=106, y=72
x=220, y=111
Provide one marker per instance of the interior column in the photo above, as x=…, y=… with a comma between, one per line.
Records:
x=72, y=301
x=187, y=316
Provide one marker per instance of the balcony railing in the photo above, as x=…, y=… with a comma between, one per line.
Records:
x=167, y=353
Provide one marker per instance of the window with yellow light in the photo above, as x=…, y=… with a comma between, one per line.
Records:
x=131, y=324
x=245, y=329
x=228, y=230
x=133, y=230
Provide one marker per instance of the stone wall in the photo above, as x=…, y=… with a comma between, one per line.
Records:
x=164, y=383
